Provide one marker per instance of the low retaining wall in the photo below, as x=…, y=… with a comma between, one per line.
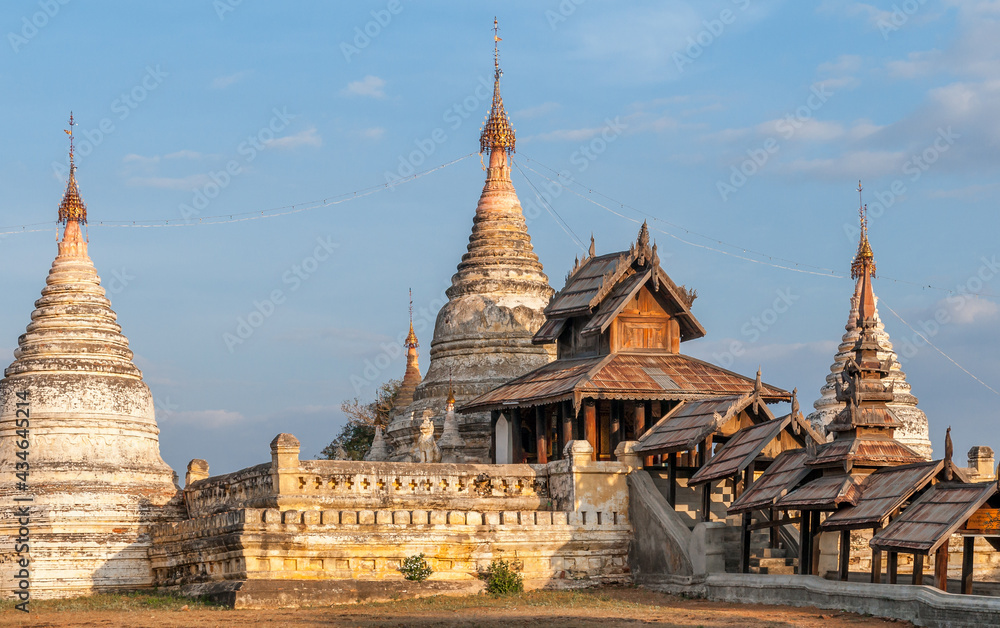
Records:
x=922, y=605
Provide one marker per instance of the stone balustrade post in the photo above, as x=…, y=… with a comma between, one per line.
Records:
x=284, y=463
x=197, y=469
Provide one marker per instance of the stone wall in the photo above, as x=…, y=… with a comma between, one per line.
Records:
x=564, y=524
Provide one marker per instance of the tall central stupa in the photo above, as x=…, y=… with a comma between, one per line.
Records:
x=482, y=337
x=78, y=432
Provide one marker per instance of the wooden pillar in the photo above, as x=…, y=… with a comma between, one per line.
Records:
x=918, y=569
x=590, y=425
x=617, y=419
x=672, y=486
x=747, y=519
x=845, y=554
x=893, y=566
x=813, y=538
x=541, y=435
x=517, y=448
x=494, y=417
x=568, y=416
x=968, y=562
x=876, y=566
x=706, y=488
x=941, y=567
x=804, y=559
x=640, y=419
x=772, y=532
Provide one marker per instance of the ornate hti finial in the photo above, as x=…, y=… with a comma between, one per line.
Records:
x=497, y=133
x=949, y=451
x=411, y=338
x=72, y=206
x=451, y=391
x=864, y=261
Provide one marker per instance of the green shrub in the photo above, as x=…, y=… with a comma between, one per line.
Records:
x=415, y=568
x=502, y=578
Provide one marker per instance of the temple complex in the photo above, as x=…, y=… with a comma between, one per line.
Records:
x=913, y=428
x=77, y=420
x=482, y=337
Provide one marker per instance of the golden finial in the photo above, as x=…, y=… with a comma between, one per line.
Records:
x=72, y=206
x=497, y=133
x=451, y=391
x=411, y=338
x=864, y=261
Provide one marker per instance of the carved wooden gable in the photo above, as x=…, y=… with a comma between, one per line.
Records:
x=644, y=325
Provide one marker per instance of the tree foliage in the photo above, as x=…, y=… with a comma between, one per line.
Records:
x=357, y=434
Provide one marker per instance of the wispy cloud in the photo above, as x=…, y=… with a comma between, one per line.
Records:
x=374, y=133
x=204, y=418
x=222, y=82
x=371, y=86
x=536, y=111
x=170, y=183
x=309, y=137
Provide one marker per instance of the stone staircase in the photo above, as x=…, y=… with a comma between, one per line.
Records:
x=763, y=559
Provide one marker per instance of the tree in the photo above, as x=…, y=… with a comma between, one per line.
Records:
x=357, y=434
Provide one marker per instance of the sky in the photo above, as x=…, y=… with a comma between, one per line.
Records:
x=273, y=177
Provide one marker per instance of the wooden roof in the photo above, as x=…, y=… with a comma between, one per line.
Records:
x=882, y=493
x=870, y=449
x=934, y=517
x=825, y=493
x=788, y=469
x=633, y=376
x=742, y=449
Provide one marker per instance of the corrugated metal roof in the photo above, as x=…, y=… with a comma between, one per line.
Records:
x=622, y=376
x=825, y=493
x=740, y=451
x=882, y=493
x=549, y=331
x=788, y=469
x=582, y=287
x=867, y=448
x=930, y=520
x=609, y=308
x=685, y=426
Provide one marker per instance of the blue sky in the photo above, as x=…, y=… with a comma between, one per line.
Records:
x=739, y=128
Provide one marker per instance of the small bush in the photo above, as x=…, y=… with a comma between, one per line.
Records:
x=415, y=568
x=502, y=578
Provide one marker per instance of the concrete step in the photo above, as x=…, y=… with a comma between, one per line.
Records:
x=771, y=562
x=777, y=570
x=770, y=552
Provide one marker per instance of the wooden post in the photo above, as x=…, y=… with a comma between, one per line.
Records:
x=567, y=415
x=517, y=449
x=941, y=567
x=672, y=486
x=918, y=569
x=615, y=430
x=541, y=436
x=845, y=555
x=893, y=566
x=706, y=488
x=876, y=566
x=747, y=519
x=804, y=559
x=968, y=563
x=590, y=425
x=640, y=419
x=773, y=537
x=813, y=537
x=494, y=417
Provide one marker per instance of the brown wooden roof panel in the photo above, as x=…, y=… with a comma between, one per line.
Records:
x=740, y=451
x=611, y=305
x=866, y=448
x=882, y=493
x=685, y=426
x=788, y=469
x=825, y=493
x=933, y=518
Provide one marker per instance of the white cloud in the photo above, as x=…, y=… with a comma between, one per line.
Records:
x=170, y=183
x=536, y=111
x=309, y=137
x=140, y=160
x=223, y=82
x=185, y=154
x=374, y=133
x=570, y=135
x=972, y=310
x=853, y=164
x=371, y=86
x=807, y=130
x=204, y=418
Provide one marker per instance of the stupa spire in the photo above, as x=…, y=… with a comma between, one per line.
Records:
x=72, y=207
x=411, y=378
x=497, y=134
x=863, y=266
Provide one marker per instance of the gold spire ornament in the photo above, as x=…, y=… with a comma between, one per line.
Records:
x=497, y=132
x=72, y=206
x=864, y=261
x=411, y=338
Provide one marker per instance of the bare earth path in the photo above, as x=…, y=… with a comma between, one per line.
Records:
x=598, y=608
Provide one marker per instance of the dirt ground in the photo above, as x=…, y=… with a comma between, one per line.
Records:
x=584, y=609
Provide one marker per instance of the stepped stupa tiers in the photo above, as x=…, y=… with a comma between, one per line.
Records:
x=913, y=429
x=96, y=478
x=482, y=336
